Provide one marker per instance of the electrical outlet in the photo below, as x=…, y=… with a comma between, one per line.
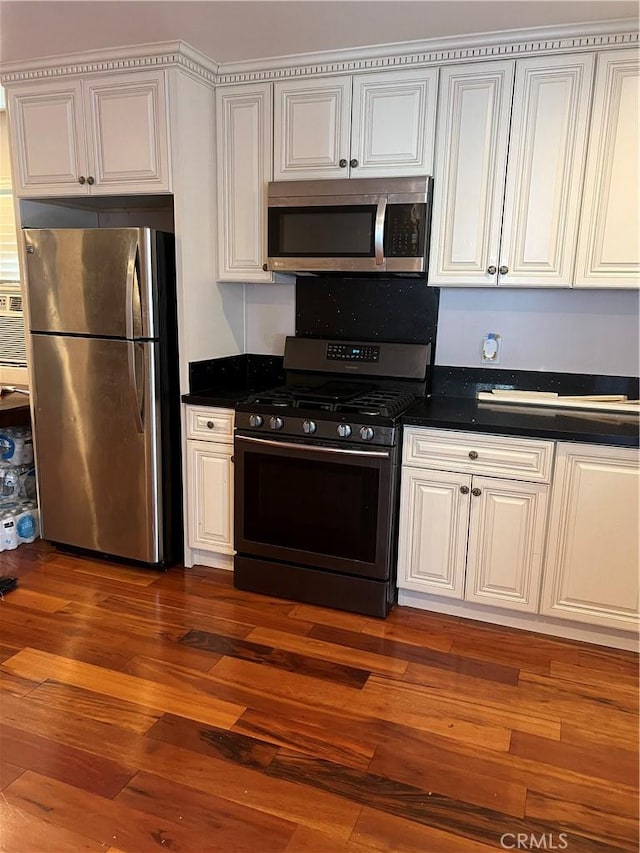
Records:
x=491, y=347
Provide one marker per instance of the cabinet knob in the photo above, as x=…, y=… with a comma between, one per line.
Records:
x=503, y=270
x=492, y=270
x=354, y=163
x=82, y=179
x=476, y=492
x=464, y=490
x=265, y=267
x=342, y=164
x=91, y=181
x=473, y=454
x=210, y=424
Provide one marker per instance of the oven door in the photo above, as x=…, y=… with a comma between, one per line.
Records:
x=321, y=506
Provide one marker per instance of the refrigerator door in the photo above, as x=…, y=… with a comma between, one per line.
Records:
x=97, y=444
x=92, y=281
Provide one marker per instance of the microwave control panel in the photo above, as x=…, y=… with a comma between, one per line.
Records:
x=405, y=230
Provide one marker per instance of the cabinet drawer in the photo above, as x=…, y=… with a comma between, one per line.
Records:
x=475, y=453
x=209, y=424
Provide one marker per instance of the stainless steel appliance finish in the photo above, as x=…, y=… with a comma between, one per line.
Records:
x=357, y=225
x=316, y=474
x=105, y=396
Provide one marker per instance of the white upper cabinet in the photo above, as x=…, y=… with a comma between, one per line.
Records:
x=102, y=134
x=609, y=242
x=510, y=154
x=369, y=125
x=244, y=167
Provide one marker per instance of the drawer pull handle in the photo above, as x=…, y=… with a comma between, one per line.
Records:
x=476, y=492
x=210, y=424
x=464, y=490
x=473, y=454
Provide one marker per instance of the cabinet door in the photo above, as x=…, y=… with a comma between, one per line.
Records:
x=312, y=129
x=469, y=176
x=245, y=151
x=210, y=496
x=506, y=543
x=434, y=519
x=609, y=242
x=547, y=150
x=591, y=571
x=393, y=123
x=126, y=117
x=47, y=139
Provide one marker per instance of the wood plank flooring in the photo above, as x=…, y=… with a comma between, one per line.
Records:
x=144, y=711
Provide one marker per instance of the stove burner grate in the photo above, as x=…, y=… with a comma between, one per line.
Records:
x=373, y=402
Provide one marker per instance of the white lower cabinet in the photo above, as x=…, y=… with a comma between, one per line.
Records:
x=469, y=536
x=209, y=467
x=592, y=565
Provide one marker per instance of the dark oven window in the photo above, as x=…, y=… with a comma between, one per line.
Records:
x=317, y=232
x=311, y=506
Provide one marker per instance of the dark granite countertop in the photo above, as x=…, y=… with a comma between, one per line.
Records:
x=453, y=405
x=225, y=381
x=467, y=413
x=226, y=398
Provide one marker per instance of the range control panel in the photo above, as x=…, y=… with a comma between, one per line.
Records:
x=353, y=352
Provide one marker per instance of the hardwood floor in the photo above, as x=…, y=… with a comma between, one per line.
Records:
x=144, y=711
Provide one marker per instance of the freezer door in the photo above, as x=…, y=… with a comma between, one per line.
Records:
x=99, y=281
x=97, y=440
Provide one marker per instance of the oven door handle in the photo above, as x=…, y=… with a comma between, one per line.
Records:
x=381, y=454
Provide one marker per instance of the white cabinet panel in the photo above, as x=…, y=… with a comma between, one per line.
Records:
x=545, y=172
x=244, y=164
x=506, y=543
x=209, y=489
x=127, y=129
x=210, y=496
x=312, y=128
x=434, y=520
x=592, y=566
x=48, y=140
x=609, y=243
x=471, y=156
x=467, y=536
x=106, y=133
x=368, y=125
x=393, y=123
x=509, y=173
x=477, y=453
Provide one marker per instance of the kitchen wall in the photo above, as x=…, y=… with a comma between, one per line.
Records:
x=572, y=331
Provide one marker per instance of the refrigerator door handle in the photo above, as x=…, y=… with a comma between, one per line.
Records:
x=136, y=384
x=133, y=294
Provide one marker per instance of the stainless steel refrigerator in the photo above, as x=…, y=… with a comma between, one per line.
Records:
x=106, y=402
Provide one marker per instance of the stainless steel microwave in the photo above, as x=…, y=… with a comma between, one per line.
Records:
x=352, y=225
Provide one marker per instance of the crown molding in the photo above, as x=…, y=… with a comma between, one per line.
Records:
x=131, y=57
x=495, y=45
x=506, y=43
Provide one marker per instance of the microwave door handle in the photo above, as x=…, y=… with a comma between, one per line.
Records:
x=378, y=234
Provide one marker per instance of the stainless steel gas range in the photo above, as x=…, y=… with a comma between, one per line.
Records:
x=317, y=465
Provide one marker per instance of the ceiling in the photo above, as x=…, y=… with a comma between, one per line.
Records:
x=242, y=30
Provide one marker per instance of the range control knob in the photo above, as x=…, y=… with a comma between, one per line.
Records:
x=309, y=427
x=255, y=421
x=366, y=433
x=276, y=423
x=344, y=430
